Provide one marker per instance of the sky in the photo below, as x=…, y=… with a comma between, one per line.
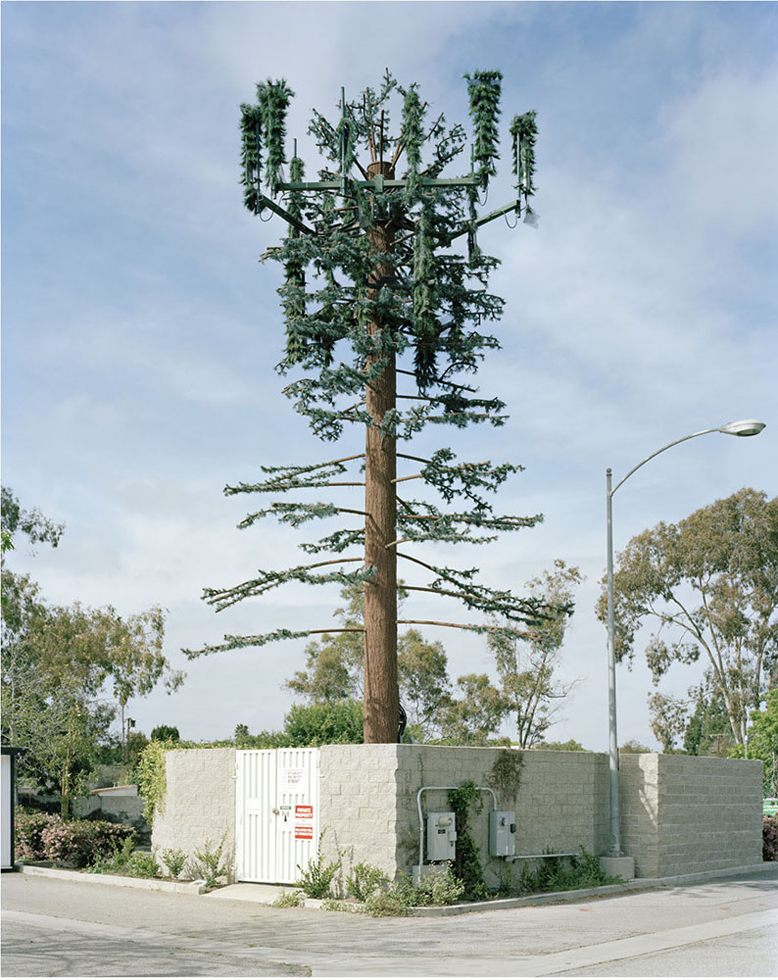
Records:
x=140, y=333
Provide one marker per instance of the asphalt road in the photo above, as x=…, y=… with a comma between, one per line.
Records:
x=725, y=928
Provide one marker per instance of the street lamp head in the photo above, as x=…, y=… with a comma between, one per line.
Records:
x=745, y=427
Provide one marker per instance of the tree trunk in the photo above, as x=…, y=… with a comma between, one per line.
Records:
x=381, y=699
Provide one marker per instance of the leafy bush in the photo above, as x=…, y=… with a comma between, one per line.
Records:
x=116, y=862
x=392, y=901
x=47, y=837
x=439, y=889
x=28, y=830
x=364, y=880
x=585, y=871
x=287, y=900
x=316, y=880
x=128, y=862
x=770, y=838
x=175, y=860
x=144, y=865
x=399, y=897
x=208, y=864
x=338, y=905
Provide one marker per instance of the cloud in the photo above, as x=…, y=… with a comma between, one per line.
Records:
x=722, y=149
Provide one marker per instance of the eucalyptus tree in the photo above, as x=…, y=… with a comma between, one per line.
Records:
x=710, y=585
x=62, y=665
x=528, y=670
x=385, y=300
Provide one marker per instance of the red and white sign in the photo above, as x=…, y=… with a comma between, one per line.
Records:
x=303, y=832
x=303, y=811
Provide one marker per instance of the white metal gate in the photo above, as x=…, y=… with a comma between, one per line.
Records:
x=277, y=819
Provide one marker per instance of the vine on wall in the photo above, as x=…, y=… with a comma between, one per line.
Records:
x=466, y=866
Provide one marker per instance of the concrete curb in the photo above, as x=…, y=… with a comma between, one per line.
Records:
x=549, y=898
x=118, y=881
x=428, y=911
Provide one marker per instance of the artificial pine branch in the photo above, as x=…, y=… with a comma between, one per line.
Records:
x=484, y=91
x=524, y=131
x=371, y=287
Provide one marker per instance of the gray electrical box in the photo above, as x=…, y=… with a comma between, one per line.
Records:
x=502, y=833
x=441, y=836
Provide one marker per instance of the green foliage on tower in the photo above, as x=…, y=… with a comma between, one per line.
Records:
x=381, y=267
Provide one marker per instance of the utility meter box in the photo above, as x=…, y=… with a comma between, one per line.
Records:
x=441, y=836
x=502, y=833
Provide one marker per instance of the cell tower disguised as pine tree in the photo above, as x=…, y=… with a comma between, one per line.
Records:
x=379, y=293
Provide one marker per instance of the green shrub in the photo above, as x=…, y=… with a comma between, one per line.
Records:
x=128, y=862
x=364, y=879
x=585, y=871
x=337, y=905
x=116, y=862
x=392, y=901
x=208, y=864
x=316, y=880
x=175, y=860
x=439, y=889
x=287, y=900
x=770, y=838
x=143, y=865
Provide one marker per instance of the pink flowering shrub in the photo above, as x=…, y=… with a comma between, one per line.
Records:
x=28, y=828
x=47, y=837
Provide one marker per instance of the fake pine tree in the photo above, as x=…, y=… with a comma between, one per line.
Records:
x=385, y=287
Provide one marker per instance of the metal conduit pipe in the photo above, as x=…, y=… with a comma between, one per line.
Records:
x=483, y=789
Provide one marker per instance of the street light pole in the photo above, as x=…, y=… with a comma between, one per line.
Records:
x=744, y=427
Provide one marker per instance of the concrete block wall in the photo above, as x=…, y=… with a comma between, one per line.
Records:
x=679, y=814
x=358, y=805
x=200, y=801
x=639, y=811
x=368, y=800
x=688, y=814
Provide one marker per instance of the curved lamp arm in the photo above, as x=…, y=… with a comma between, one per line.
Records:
x=745, y=427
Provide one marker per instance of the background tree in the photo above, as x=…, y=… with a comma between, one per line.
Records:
x=526, y=667
x=711, y=583
x=375, y=290
x=475, y=717
x=708, y=730
x=165, y=733
x=633, y=747
x=763, y=742
x=569, y=746
x=319, y=723
x=335, y=670
x=33, y=524
x=62, y=665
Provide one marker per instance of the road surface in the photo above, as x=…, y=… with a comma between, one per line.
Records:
x=723, y=928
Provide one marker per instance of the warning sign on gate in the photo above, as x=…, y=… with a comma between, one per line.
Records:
x=303, y=832
x=291, y=777
x=303, y=811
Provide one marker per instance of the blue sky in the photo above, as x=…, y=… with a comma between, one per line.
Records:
x=140, y=332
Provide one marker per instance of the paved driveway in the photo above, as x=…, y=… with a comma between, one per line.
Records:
x=60, y=928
